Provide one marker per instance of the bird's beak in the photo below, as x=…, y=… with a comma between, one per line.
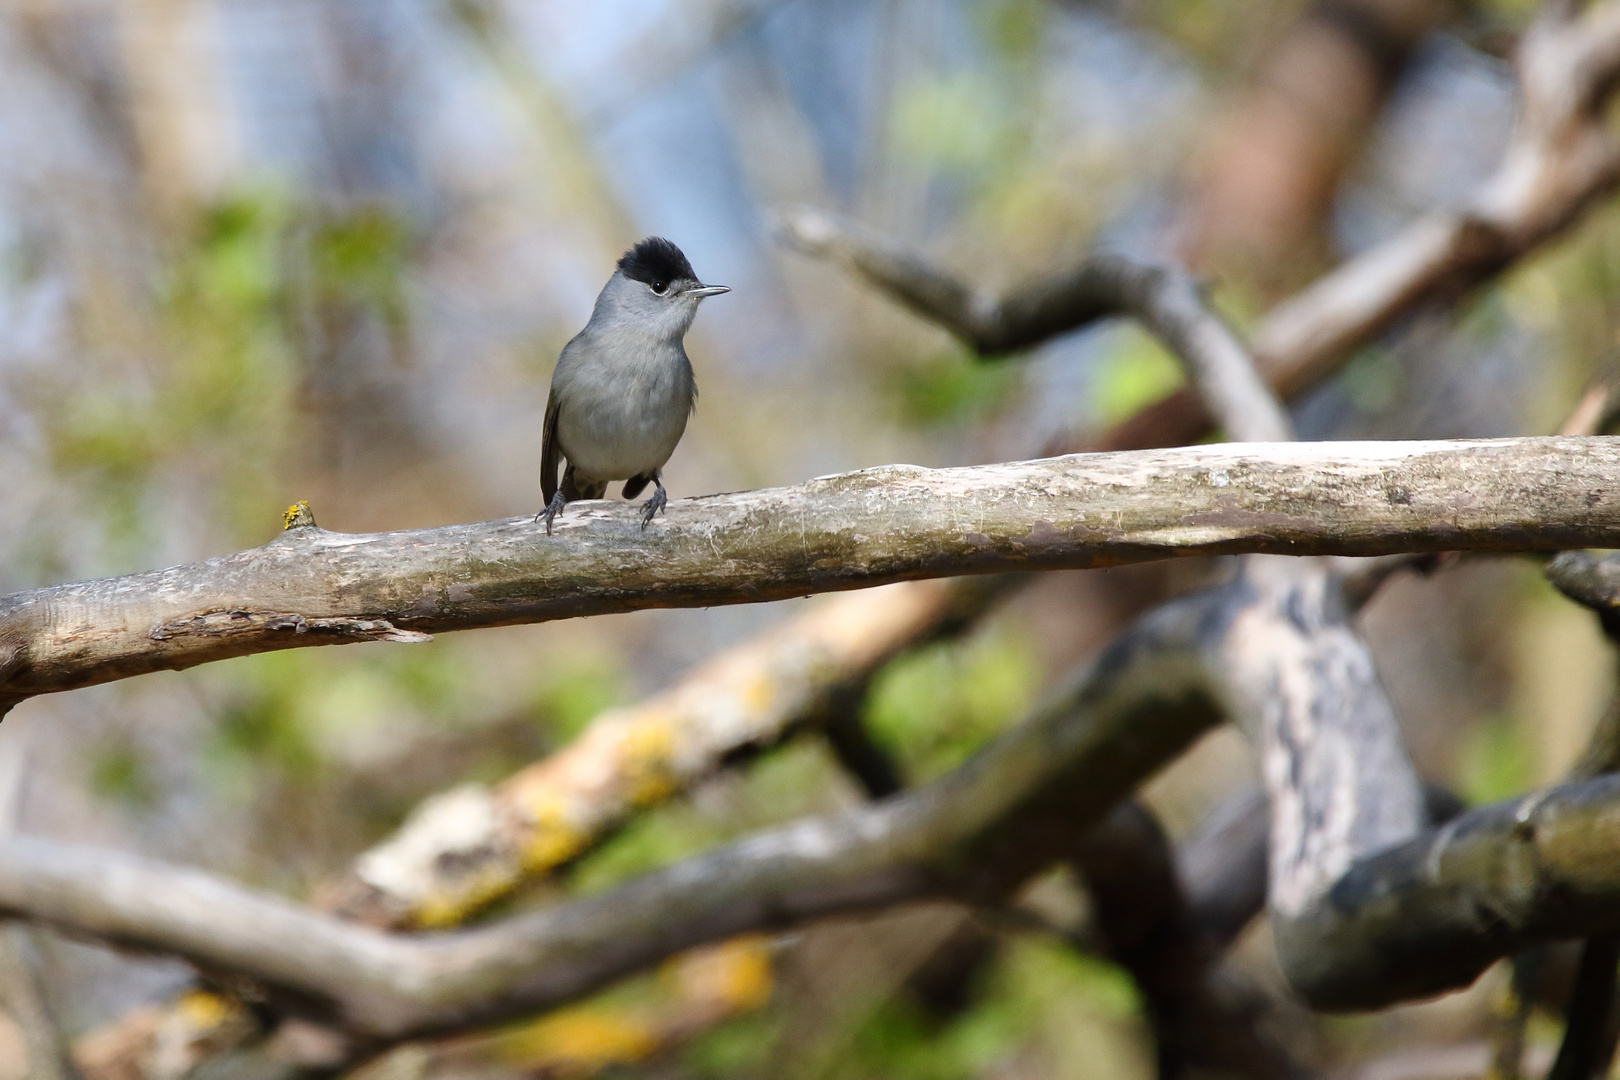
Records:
x=708, y=290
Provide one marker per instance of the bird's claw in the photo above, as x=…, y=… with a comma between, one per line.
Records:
x=653, y=506
x=553, y=508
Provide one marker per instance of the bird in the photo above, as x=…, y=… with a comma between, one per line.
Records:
x=623, y=387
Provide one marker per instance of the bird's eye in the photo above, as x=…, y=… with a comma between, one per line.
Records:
x=659, y=287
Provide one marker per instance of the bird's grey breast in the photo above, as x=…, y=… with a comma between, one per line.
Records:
x=623, y=401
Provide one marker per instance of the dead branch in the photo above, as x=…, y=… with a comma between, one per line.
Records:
x=1160, y=296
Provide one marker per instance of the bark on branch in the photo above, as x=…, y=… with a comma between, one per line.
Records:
x=860, y=529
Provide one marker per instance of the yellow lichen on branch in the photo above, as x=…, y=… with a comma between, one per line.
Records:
x=297, y=516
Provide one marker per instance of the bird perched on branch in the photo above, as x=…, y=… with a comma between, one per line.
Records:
x=623, y=387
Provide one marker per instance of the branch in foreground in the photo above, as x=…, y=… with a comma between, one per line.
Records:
x=966, y=836
x=1592, y=580
x=860, y=529
x=995, y=820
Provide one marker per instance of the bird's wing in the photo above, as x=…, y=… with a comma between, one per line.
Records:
x=551, y=454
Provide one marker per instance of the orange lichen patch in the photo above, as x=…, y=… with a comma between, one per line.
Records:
x=694, y=991
x=760, y=693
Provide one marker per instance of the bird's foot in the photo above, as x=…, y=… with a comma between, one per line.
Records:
x=553, y=508
x=654, y=504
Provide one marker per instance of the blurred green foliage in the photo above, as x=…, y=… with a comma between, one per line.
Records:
x=1136, y=372
x=121, y=773
x=951, y=386
x=242, y=311
x=361, y=257
x=1494, y=762
x=1373, y=380
x=212, y=384
x=933, y=707
x=1014, y=29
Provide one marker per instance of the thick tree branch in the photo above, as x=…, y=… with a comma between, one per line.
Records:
x=1561, y=160
x=1587, y=1049
x=1433, y=912
x=1222, y=868
x=860, y=529
x=1423, y=916
x=1591, y=579
x=992, y=822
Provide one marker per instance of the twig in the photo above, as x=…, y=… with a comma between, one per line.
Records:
x=1430, y=914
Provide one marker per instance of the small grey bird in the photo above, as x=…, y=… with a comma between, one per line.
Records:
x=623, y=387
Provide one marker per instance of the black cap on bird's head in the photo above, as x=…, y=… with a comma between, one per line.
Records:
x=656, y=259
x=659, y=264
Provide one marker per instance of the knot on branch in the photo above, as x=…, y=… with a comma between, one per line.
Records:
x=298, y=516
